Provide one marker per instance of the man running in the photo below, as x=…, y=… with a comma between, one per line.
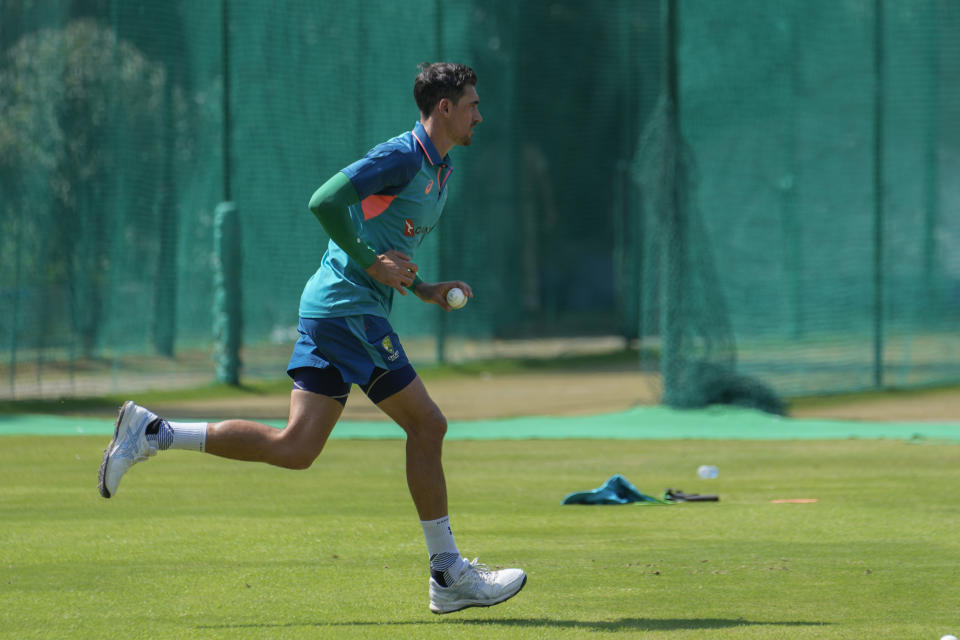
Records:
x=377, y=211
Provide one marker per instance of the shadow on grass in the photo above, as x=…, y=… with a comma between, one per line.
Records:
x=621, y=624
x=642, y=624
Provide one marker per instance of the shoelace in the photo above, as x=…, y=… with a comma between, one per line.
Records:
x=482, y=571
x=479, y=566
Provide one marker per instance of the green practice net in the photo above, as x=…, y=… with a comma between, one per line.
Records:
x=798, y=201
x=755, y=194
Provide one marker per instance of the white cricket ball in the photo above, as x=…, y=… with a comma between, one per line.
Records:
x=456, y=298
x=948, y=637
x=707, y=471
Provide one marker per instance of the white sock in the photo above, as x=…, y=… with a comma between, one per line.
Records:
x=191, y=436
x=446, y=565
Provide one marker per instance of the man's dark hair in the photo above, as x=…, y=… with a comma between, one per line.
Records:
x=439, y=80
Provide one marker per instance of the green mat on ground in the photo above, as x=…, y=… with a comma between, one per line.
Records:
x=641, y=423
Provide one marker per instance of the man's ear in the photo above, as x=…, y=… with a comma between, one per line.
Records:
x=444, y=106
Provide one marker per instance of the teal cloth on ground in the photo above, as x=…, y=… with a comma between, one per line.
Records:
x=641, y=423
x=616, y=490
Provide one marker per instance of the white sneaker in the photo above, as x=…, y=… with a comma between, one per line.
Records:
x=477, y=586
x=128, y=447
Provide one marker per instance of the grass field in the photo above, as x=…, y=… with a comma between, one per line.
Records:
x=196, y=547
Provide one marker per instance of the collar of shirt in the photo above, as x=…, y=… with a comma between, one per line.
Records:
x=427, y=145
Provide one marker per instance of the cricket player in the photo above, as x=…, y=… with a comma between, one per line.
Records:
x=377, y=211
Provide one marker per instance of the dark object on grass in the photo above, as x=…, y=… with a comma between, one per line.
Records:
x=677, y=495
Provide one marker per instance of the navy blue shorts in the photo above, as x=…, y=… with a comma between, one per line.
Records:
x=333, y=353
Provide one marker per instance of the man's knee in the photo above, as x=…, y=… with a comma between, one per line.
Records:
x=438, y=426
x=295, y=452
x=297, y=460
x=431, y=427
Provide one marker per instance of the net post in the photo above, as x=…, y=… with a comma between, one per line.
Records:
x=931, y=178
x=878, y=192
x=227, y=298
x=226, y=114
x=672, y=251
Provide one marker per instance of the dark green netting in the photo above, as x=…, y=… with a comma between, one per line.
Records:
x=783, y=224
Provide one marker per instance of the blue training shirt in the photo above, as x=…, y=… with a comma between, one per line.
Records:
x=401, y=184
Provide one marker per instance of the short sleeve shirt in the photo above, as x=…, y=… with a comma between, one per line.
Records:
x=402, y=189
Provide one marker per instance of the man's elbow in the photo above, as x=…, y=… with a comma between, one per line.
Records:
x=315, y=203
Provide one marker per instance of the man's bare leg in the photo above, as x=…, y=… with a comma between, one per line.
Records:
x=137, y=437
x=454, y=583
x=312, y=418
x=415, y=411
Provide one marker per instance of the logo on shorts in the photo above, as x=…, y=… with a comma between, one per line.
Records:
x=387, y=345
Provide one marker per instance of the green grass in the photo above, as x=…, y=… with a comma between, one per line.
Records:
x=197, y=547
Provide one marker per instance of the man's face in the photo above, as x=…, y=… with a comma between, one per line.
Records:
x=464, y=116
